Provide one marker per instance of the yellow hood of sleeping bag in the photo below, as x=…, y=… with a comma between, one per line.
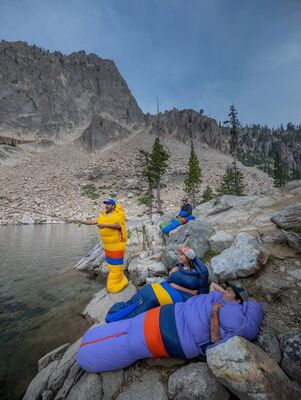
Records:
x=108, y=235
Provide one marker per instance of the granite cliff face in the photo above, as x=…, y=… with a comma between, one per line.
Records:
x=50, y=95
x=83, y=98
x=257, y=144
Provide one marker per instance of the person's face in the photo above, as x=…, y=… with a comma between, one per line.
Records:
x=182, y=258
x=184, y=202
x=229, y=295
x=109, y=208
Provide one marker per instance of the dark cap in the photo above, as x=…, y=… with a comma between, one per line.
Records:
x=110, y=201
x=240, y=291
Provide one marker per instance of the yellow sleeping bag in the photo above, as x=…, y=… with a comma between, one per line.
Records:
x=114, y=243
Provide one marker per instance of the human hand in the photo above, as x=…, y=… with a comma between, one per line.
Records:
x=216, y=307
x=174, y=269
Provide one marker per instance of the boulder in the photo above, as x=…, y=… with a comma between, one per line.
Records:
x=89, y=387
x=291, y=349
x=111, y=383
x=92, y=260
x=248, y=372
x=142, y=268
x=97, y=309
x=220, y=241
x=289, y=217
x=195, y=381
x=27, y=219
x=148, y=386
x=61, y=372
x=291, y=185
x=39, y=383
x=135, y=242
x=270, y=288
x=268, y=340
x=56, y=354
x=74, y=375
x=244, y=258
x=96, y=173
x=194, y=234
x=153, y=237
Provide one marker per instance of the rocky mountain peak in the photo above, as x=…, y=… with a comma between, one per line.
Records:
x=44, y=94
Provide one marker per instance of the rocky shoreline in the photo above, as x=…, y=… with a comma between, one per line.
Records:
x=252, y=239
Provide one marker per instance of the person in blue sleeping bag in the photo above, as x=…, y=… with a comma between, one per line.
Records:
x=188, y=278
x=184, y=216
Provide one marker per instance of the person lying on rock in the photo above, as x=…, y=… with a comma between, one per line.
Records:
x=112, y=231
x=188, y=278
x=182, y=330
x=184, y=216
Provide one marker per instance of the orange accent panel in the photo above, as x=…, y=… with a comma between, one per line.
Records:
x=152, y=333
x=114, y=254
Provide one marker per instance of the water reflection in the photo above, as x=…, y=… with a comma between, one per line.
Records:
x=40, y=296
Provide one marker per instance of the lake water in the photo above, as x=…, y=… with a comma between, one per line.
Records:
x=41, y=297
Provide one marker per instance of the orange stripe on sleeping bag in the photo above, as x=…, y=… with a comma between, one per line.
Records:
x=114, y=254
x=152, y=333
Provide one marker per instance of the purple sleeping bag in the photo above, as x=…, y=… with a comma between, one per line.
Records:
x=179, y=330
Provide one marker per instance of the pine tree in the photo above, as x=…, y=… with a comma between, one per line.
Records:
x=232, y=182
x=296, y=173
x=194, y=177
x=236, y=186
x=207, y=195
x=280, y=175
x=156, y=168
x=148, y=197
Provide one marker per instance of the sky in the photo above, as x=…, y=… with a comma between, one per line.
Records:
x=200, y=54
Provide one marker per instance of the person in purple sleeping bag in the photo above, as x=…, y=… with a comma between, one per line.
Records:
x=182, y=330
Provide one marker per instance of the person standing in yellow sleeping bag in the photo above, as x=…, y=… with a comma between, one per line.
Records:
x=112, y=231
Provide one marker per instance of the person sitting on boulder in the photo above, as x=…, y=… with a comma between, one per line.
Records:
x=182, y=330
x=188, y=278
x=184, y=216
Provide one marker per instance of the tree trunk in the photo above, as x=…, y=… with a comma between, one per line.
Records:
x=193, y=198
x=159, y=203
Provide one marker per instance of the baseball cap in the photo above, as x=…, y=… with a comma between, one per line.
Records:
x=240, y=291
x=187, y=251
x=110, y=201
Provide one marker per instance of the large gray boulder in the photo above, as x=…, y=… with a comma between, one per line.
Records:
x=291, y=348
x=289, y=217
x=195, y=381
x=220, y=241
x=248, y=372
x=141, y=268
x=148, y=386
x=92, y=260
x=244, y=258
x=39, y=383
x=97, y=309
x=56, y=354
x=89, y=387
x=268, y=341
x=194, y=234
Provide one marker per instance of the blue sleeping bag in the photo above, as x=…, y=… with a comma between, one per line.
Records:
x=148, y=297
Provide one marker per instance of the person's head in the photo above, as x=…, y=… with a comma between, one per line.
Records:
x=186, y=255
x=184, y=200
x=235, y=293
x=109, y=205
